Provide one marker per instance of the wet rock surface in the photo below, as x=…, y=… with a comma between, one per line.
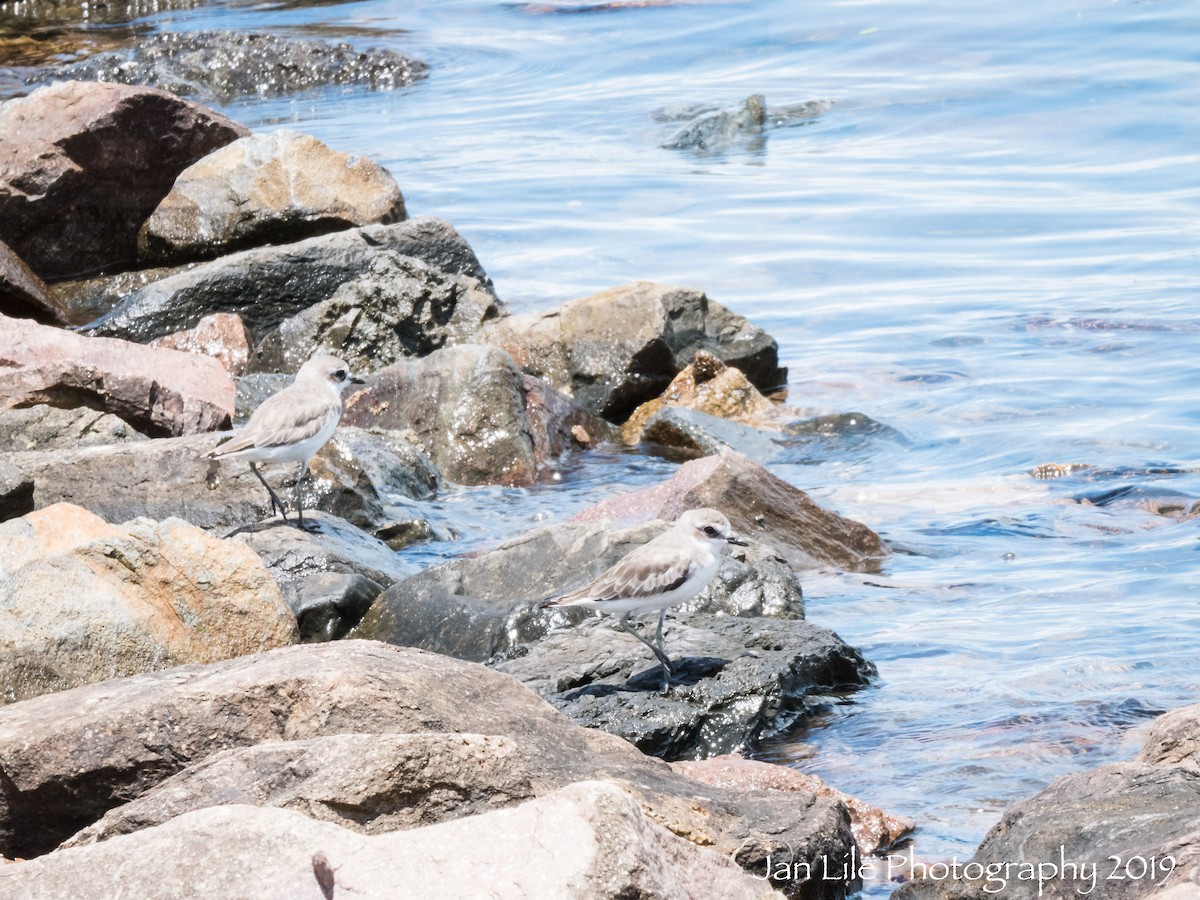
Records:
x=261, y=284
x=398, y=308
x=62, y=772
x=617, y=349
x=266, y=189
x=218, y=66
x=157, y=391
x=50, y=428
x=82, y=165
x=82, y=600
x=223, y=336
x=693, y=434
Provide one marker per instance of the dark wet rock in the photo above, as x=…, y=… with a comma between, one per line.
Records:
x=691, y=433
x=399, y=307
x=843, y=427
x=82, y=601
x=87, y=299
x=172, y=477
x=735, y=680
x=25, y=296
x=558, y=425
x=50, y=428
x=219, y=66
x=617, y=349
x=764, y=509
x=329, y=578
x=479, y=606
x=589, y=834
x=266, y=189
x=157, y=391
x=223, y=336
x=466, y=407
x=69, y=758
x=267, y=285
x=82, y=165
x=709, y=129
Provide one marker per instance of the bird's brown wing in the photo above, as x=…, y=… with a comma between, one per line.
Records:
x=284, y=418
x=643, y=573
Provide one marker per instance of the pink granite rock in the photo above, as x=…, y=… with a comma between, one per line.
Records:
x=223, y=336
x=24, y=295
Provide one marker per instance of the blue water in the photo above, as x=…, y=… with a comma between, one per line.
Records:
x=988, y=241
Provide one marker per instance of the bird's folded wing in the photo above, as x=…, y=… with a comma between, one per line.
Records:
x=281, y=420
x=636, y=576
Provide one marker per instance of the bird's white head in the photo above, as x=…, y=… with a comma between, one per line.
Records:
x=709, y=526
x=329, y=369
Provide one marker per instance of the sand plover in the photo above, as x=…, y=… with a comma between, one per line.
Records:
x=669, y=570
x=293, y=424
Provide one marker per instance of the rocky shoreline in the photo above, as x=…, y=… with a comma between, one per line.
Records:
x=246, y=709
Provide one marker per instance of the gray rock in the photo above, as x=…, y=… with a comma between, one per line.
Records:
x=171, y=477
x=16, y=491
x=87, y=299
x=82, y=165
x=267, y=285
x=691, y=433
x=328, y=605
x=615, y=350
x=266, y=189
x=67, y=758
x=479, y=606
x=398, y=308
x=219, y=66
x=721, y=128
x=49, y=428
x=25, y=296
x=590, y=835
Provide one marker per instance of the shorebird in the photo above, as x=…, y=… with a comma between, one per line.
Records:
x=669, y=570
x=293, y=424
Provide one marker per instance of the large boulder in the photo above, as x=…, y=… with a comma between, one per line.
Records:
x=25, y=296
x=467, y=407
x=763, y=508
x=267, y=285
x=617, y=349
x=157, y=391
x=590, y=836
x=50, y=428
x=399, y=307
x=68, y=758
x=82, y=600
x=220, y=66
x=223, y=336
x=266, y=189
x=83, y=164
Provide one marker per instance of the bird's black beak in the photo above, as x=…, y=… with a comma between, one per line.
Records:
x=734, y=539
x=354, y=379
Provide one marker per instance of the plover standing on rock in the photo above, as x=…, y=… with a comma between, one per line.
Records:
x=293, y=424
x=669, y=570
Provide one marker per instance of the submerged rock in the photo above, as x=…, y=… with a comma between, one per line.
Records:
x=709, y=129
x=693, y=434
x=157, y=391
x=266, y=189
x=399, y=307
x=83, y=601
x=223, y=65
x=617, y=349
x=82, y=165
x=267, y=285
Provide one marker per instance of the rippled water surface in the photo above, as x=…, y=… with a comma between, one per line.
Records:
x=987, y=241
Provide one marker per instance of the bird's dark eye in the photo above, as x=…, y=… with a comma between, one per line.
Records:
x=710, y=531
x=340, y=374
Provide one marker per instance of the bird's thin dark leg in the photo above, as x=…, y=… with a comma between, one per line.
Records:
x=276, y=503
x=299, y=498
x=623, y=624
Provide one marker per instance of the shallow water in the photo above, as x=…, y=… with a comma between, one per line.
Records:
x=988, y=241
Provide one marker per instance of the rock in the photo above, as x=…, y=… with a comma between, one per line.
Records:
x=219, y=66
x=692, y=434
x=399, y=307
x=223, y=336
x=736, y=680
x=466, y=407
x=82, y=165
x=172, y=477
x=718, y=130
x=590, y=835
x=82, y=600
x=400, y=470
x=481, y=606
x=266, y=189
x=50, y=428
x=557, y=425
x=762, y=508
x=267, y=285
x=710, y=386
x=25, y=296
x=1175, y=739
x=617, y=349
x=68, y=758
x=158, y=392
x=87, y=299
x=330, y=578
x=874, y=829
x=16, y=491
